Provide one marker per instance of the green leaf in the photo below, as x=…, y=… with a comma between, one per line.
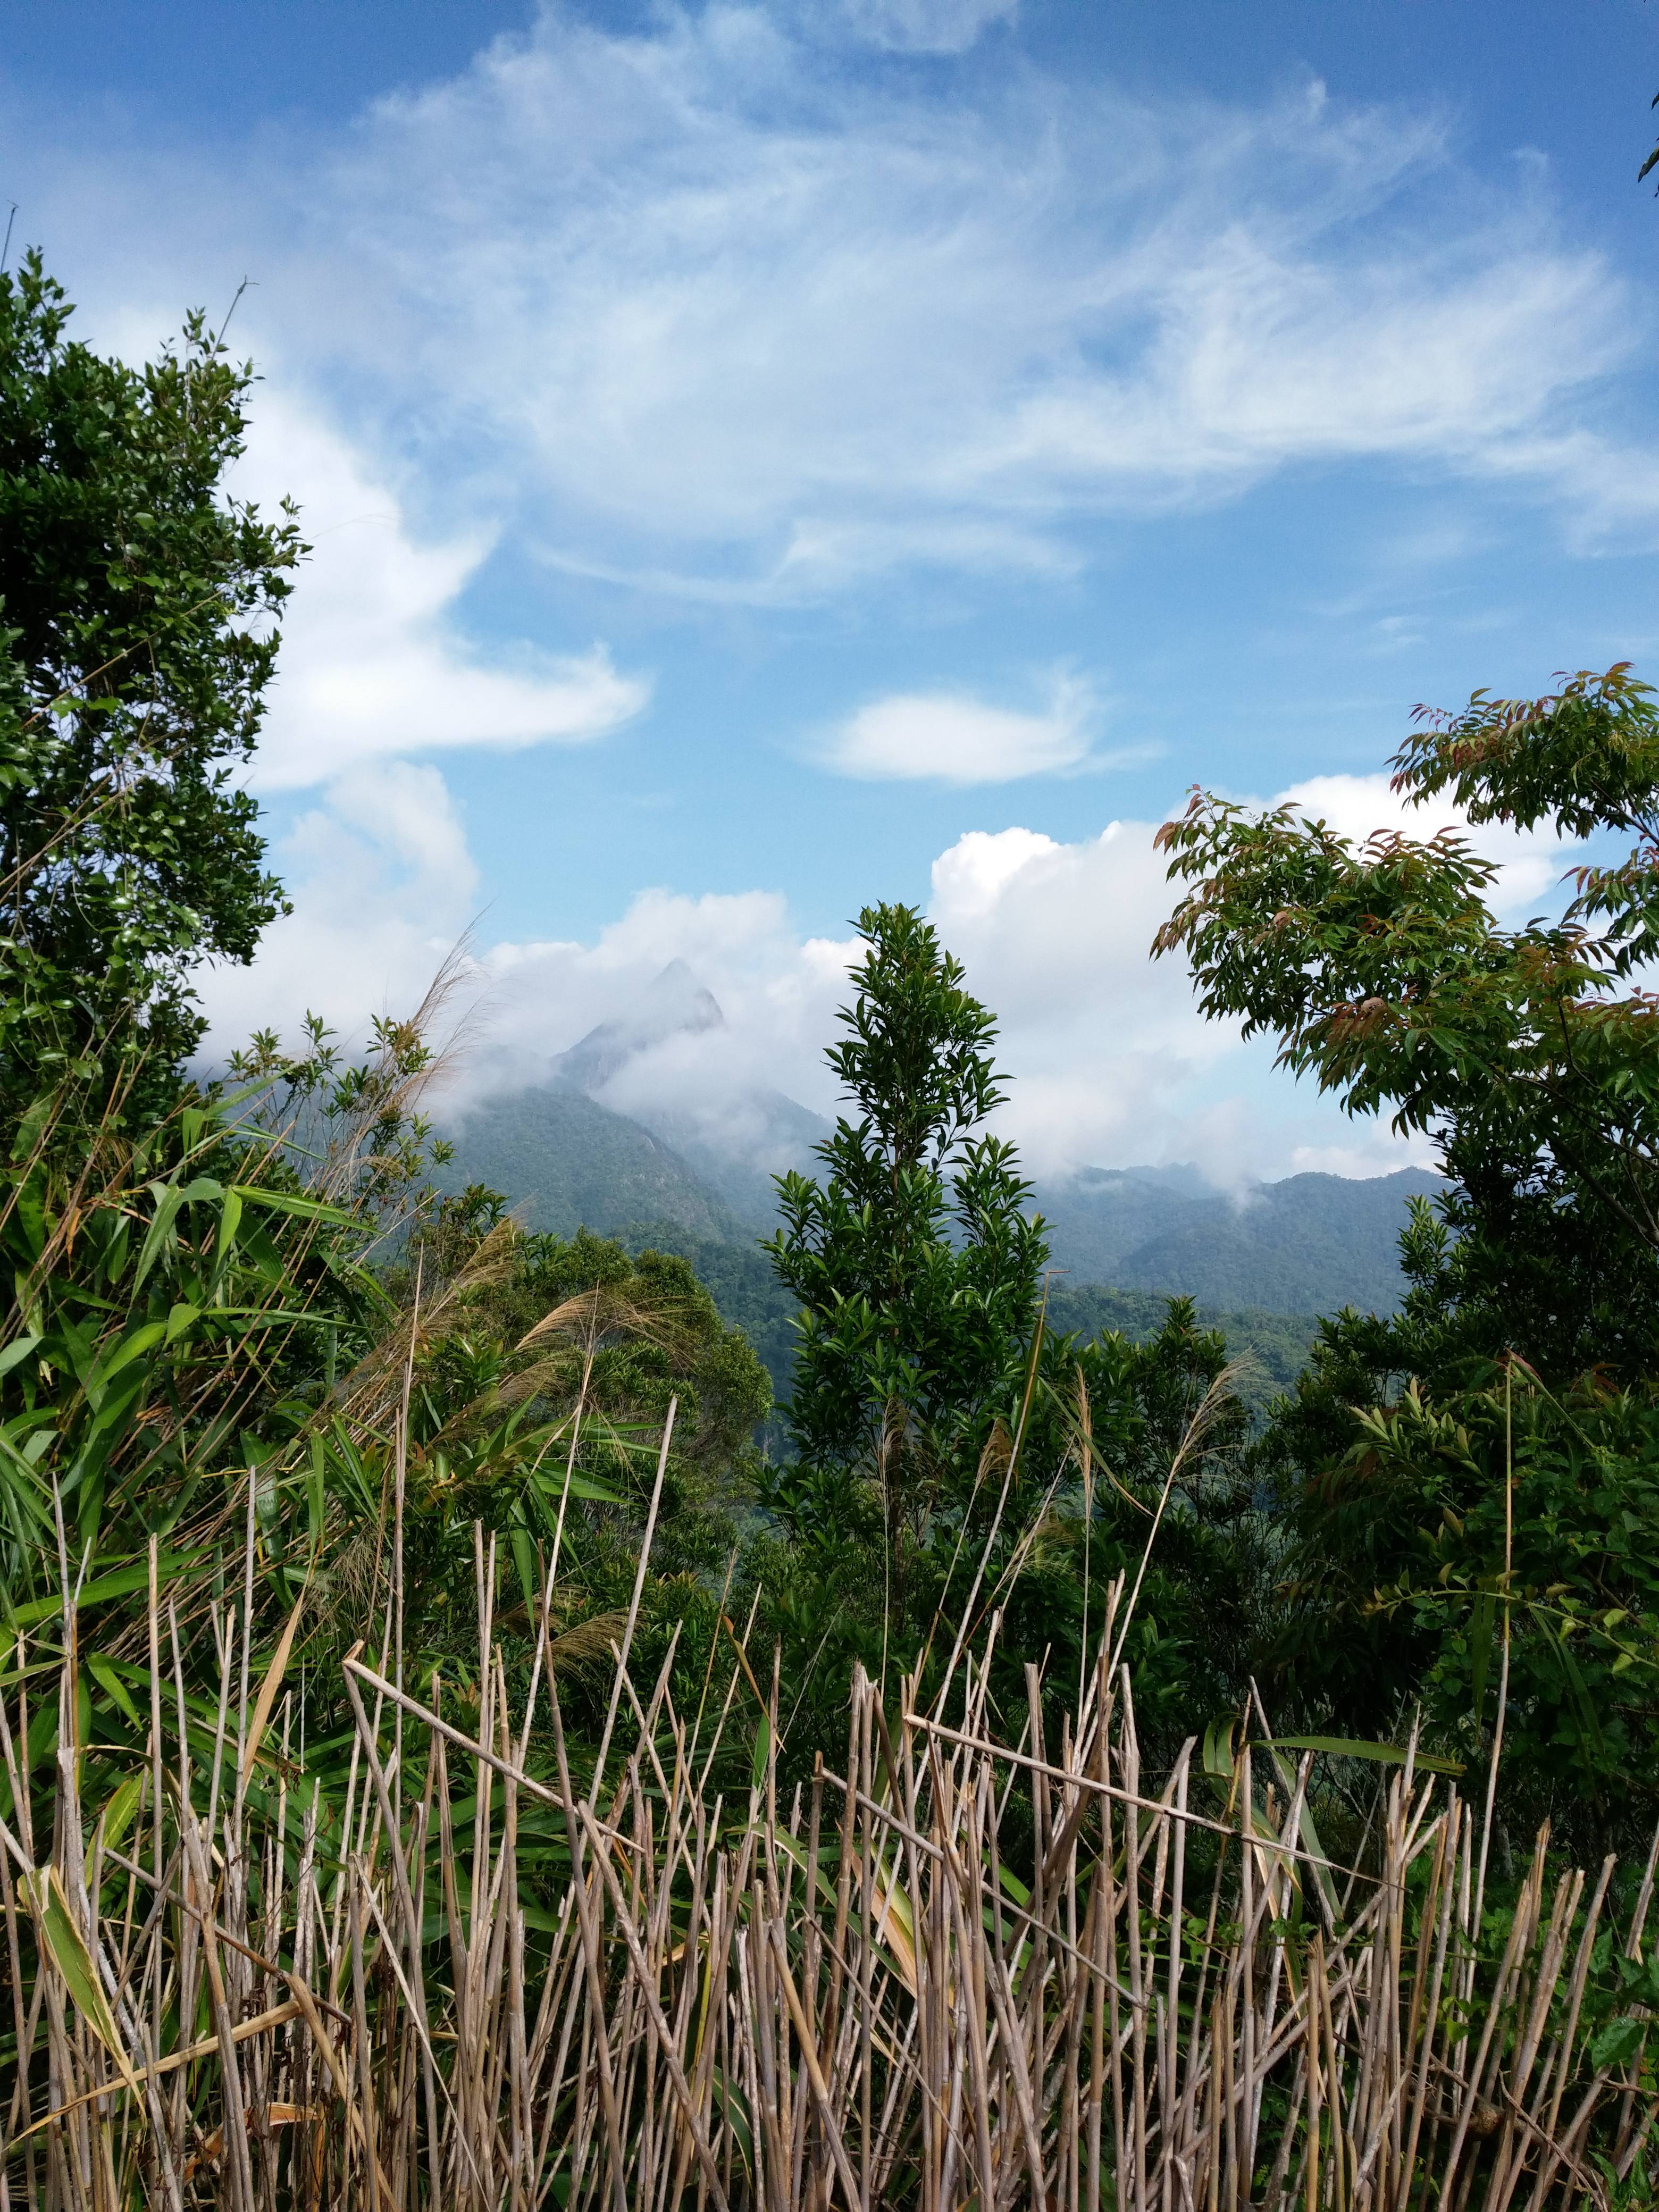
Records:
x=110, y=1682
x=1617, y=2043
x=524, y=1557
x=66, y=1945
x=579, y=1485
x=1480, y=1642
x=121, y=1583
x=180, y=1319
x=734, y=2111
x=1388, y=1755
x=761, y=1754
x=289, y=1201
x=131, y=1348
x=118, y=1815
x=169, y=1197
x=18, y=1349
x=1218, y=1747
x=230, y=1215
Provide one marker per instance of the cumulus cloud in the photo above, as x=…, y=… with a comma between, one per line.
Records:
x=950, y=738
x=383, y=885
x=1530, y=863
x=1111, y=1064
x=373, y=663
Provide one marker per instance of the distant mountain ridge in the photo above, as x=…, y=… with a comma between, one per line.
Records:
x=567, y=1163
x=1309, y=1244
x=1312, y=1243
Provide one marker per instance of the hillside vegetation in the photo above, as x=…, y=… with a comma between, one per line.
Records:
x=1311, y=1243
x=444, y=1761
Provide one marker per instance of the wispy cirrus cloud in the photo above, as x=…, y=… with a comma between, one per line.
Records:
x=733, y=311
x=925, y=27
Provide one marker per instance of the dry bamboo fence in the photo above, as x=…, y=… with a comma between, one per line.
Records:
x=847, y=1998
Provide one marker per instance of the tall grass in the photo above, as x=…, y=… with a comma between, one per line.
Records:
x=973, y=1967
x=460, y=1957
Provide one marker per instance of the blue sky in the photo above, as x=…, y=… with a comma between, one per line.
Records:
x=765, y=459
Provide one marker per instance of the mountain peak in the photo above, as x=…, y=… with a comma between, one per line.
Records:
x=673, y=1004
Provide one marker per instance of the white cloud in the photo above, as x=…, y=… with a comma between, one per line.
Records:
x=927, y=27
x=970, y=879
x=383, y=886
x=374, y=662
x=1112, y=1063
x=1104, y=1044
x=952, y=739
x=1530, y=862
x=702, y=307
x=712, y=309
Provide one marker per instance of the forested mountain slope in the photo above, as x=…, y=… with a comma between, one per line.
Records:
x=1312, y=1243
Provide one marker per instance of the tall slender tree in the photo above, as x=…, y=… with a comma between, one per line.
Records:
x=915, y=1260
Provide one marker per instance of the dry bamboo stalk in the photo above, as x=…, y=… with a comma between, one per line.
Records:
x=798, y=2013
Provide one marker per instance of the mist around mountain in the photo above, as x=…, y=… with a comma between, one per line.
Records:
x=1260, y=1262
x=1312, y=1243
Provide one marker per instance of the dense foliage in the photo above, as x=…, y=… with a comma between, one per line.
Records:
x=136, y=640
x=1486, y=1453
x=244, y=1309
x=954, y=1456
x=917, y=1269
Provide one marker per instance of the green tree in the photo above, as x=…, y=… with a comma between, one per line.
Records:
x=1531, y=1056
x=917, y=1268
x=136, y=640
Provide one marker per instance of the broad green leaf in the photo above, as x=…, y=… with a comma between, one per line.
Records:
x=1218, y=1747
x=121, y=1583
x=1617, y=2043
x=169, y=1197
x=579, y=1485
x=130, y=1348
x=180, y=1319
x=67, y=1946
x=18, y=1349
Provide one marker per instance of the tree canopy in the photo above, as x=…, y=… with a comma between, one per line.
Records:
x=918, y=1269
x=1530, y=1054
x=1475, y=1470
x=137, y=638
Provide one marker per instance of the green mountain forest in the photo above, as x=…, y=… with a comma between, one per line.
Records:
x=1259, y=1267
x=906, y=1701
